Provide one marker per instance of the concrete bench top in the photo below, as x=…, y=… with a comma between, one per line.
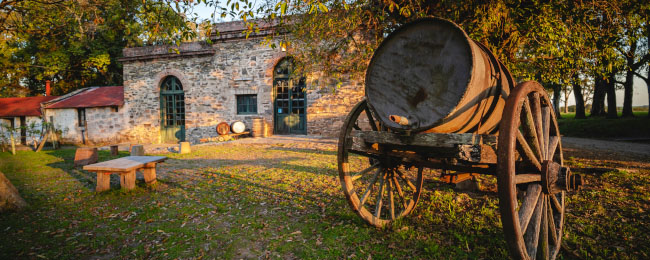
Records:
x=124, y=164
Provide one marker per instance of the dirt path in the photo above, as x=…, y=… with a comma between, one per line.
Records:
x=617, y=149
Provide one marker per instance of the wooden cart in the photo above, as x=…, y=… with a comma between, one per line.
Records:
x=490, y=127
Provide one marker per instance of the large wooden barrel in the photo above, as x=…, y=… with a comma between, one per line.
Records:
x=429, y=76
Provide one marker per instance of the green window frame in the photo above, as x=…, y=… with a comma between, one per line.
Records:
x=247, y=104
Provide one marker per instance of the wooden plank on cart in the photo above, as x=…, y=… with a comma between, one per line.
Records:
x=124, y=164
x=426, y=139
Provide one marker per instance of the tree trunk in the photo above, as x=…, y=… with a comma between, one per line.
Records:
x=580, y=101
x=647, y=84
x=598, y=100
x=566, y=100
x=9, y=197
x=13, y=142
x=629, y=92
x=556, y=99
x=611, y=97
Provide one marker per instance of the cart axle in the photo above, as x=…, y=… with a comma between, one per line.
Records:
x=556, y=177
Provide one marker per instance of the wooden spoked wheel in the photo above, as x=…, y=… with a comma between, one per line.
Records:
x=377, y=187
x=529, y=141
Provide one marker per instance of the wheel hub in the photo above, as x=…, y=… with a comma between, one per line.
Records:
x=556, y=177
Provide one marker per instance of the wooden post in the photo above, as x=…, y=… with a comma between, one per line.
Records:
x=103, y=181
x=127, y=180
x=149, y=173
x=184, y=147
x=114, y=150
x=13, y=142
x=85, y=156
x=137, y=150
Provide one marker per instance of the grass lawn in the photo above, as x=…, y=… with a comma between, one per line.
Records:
x=603, y=128
x=284, y=202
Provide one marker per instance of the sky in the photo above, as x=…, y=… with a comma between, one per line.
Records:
x=640, y=90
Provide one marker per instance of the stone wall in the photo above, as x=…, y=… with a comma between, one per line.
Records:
x=211, y=82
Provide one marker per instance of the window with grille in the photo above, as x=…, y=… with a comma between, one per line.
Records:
x=246, y=104
x=81, y=117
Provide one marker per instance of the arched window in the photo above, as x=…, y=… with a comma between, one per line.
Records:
x=172, y=110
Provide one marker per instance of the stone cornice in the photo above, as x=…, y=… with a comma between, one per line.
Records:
x=166, y=51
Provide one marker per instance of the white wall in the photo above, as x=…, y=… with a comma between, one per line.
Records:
x=65, y=120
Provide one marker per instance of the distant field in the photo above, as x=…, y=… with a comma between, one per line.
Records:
x=603, y=128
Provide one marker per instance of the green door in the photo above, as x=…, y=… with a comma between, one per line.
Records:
x=172, y=111
x=290, y=104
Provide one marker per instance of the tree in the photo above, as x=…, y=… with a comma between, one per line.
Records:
x=633, y=47
x=77, y=43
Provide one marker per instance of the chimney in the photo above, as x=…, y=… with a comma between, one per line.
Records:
x=47, y=87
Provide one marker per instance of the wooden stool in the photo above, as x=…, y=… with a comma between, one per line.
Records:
x=85, y=156
x=114, y=150
x=137, y=150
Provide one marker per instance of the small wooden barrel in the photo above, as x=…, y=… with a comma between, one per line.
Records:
x=257, y=127
x=223, y=128
x=237, y=127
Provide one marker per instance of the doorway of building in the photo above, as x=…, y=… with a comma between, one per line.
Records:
x=290, y=102
x=172, y=111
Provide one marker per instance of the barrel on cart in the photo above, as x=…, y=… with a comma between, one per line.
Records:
x=436, y=99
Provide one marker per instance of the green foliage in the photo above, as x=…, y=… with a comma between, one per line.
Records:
x=76, y=44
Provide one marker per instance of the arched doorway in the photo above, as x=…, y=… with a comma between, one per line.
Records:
x=172, y=110
x=290, y=102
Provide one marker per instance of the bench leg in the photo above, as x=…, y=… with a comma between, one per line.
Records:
x=103, y=181
x=150, y=175
x=127, y=180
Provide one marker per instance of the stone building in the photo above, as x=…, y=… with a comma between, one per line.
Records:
x=91, y=115
x=184, y=94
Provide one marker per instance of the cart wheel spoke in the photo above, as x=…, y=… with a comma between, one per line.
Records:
x=524, y=149
x=399, y=191
x=391, y=199
x=553, y=141
x=543, y=235
x=556, y=204
x=531, y=236
x=369, y=188
x=371, y=120
x=528, y=205
x=551, y=223
x=409, y=183
x=546, y=124
x=364, y=171
x=380, y=196
x=529, y=129
x=536, y=107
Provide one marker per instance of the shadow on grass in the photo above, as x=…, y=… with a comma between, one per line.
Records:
x=86, y=178
x=303, y=150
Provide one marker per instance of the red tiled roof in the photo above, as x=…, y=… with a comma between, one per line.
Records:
x=22, y=106
x=94, y=97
